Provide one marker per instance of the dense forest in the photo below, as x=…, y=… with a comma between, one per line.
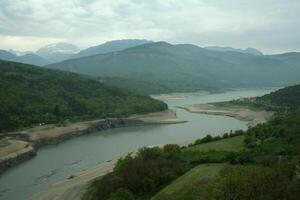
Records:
x=264, y=166
x=286, y=97
x=33, y=95
x=280, y=100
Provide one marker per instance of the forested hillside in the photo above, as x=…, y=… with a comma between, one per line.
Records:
x=188, y=67
x=261, y=163
x=30, y=95
x=286, y=97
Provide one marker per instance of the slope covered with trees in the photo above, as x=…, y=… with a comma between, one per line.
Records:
x=286, y=97
x=31, y=95
x=261, y=163
x=188, y=67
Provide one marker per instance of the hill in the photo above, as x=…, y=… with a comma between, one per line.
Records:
x=187, y=67
x=31, y=95
x=252, y=51
x=57, y=52
x=279, y=100
x=111, y=46
x=286, y=97
x=28, y=58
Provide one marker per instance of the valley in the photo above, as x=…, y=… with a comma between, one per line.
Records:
x=110, y=144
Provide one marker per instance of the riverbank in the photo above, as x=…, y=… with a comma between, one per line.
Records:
x=24, y=145
x=253, y=117
x=74, y=187
x=13, y=152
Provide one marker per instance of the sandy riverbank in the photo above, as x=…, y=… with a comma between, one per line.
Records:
x=51, y=131
x=242, y=113
x=74, y=188
x=13, y=152
x=24, y=144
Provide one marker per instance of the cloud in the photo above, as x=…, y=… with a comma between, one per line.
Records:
x=270, y=25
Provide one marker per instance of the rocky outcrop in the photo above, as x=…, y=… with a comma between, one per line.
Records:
x=15, y=158
x=30, y=150
x=99, y=125
x=54, y=135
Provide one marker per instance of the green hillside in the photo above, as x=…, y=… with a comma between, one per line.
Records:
x=31, y=95
x=188, y=67
x=286, y=97
x=279, y=100
x=261, y=163
x=139, y=86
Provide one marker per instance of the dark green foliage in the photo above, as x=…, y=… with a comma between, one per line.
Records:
x=143, y=175
x=280, y=100
x=277, y=139
x=256, y=183
x=211, y=156
x=209, y=138
x=286, y=97
x=31, y=95
x=121, y=194
x=268, y=169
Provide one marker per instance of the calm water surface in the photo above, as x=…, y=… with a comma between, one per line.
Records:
x=57, y=162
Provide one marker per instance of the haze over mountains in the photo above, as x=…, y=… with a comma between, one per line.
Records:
x=156, y=67
x=28, y=58
x=252, y=51
x=57, y=52
x=187, y=67
x=110, y=46
x=61, y=51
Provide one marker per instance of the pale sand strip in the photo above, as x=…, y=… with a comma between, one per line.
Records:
x=74, y=188
x=254, y=117
x=52, y=132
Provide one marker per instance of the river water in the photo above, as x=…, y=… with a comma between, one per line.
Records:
x=57, y=162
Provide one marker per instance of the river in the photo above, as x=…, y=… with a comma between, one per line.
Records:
x=57, y=162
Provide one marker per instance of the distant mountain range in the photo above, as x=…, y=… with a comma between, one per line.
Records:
x=157, y=67
x=29, y=58
x=57, y=52
x=186, y=67
x=111, y=46
x=252, y=51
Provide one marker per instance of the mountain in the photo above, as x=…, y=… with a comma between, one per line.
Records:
x=32, y=95
x=29, y=58
x=285, y=97
x=139, y=86
x=57, y=52
x=186, y=67
x=20, y=53
x=111, y=46
x=248, y=50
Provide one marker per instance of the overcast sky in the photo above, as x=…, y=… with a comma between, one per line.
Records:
x=272, y=26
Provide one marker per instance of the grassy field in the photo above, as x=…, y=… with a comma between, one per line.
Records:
x=229, y=144
x=190, y=185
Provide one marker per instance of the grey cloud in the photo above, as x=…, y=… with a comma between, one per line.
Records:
x=271, y=25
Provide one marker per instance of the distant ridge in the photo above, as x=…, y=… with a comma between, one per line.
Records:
x=187, y=67
x=252, y=51
x=57, y=52
x=28, y=58
x=110, y=46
